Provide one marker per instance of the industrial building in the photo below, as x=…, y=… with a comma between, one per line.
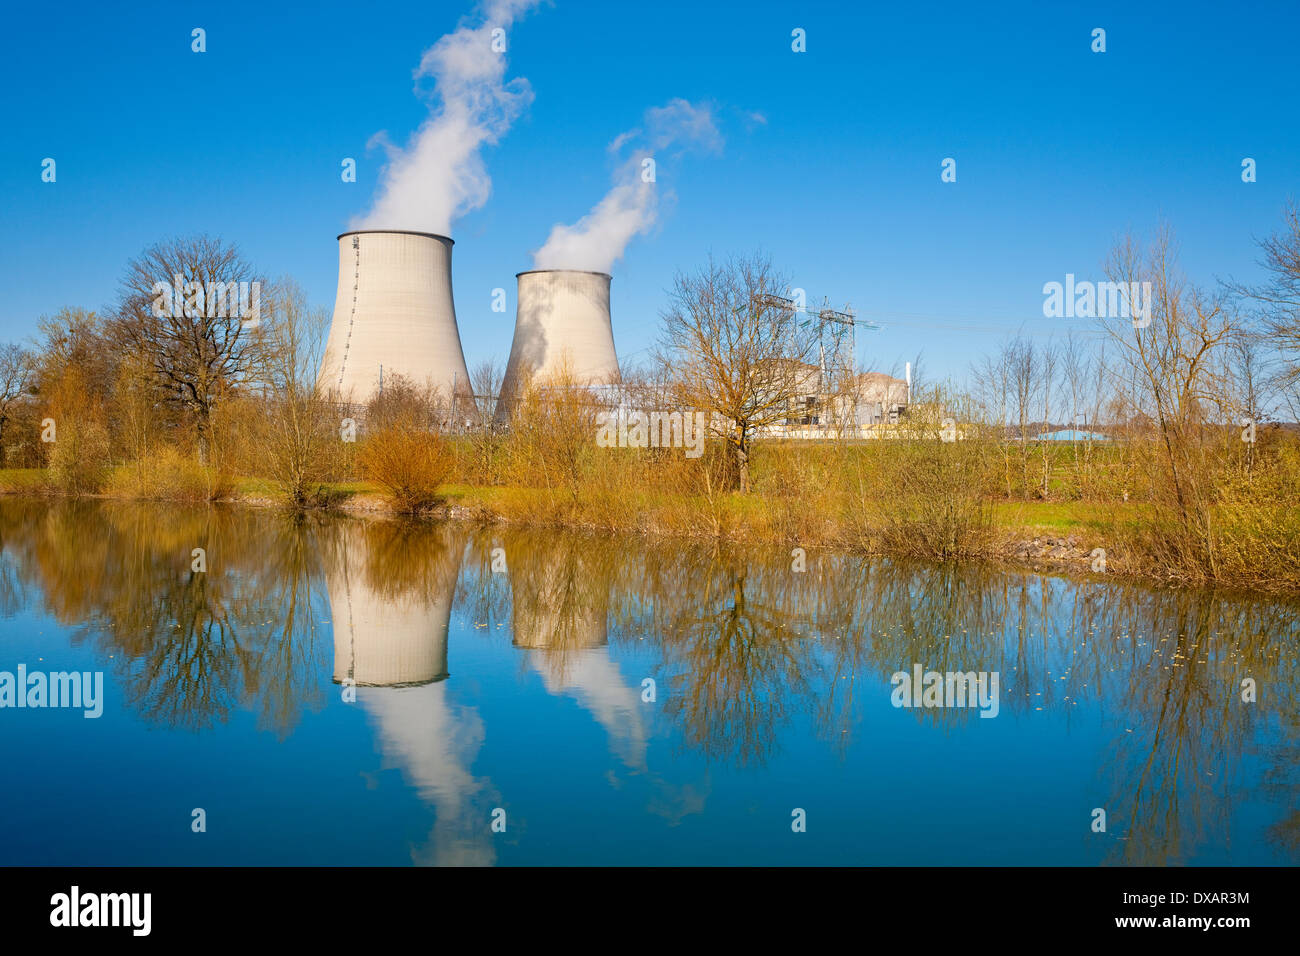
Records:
x=393, y=315
x=860, y=406
x=862, y=400
x=562, y=320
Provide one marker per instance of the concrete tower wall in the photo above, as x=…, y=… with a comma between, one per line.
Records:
x=394, y=310
x=562, y=314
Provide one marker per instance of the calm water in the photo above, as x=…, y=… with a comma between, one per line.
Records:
x=522, y=689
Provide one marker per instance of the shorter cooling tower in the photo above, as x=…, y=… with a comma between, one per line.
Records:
x=562, y=319
x=393, y=315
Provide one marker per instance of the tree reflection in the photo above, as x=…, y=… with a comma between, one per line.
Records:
x=192, y=646
x=736, y=667
x=746, y=652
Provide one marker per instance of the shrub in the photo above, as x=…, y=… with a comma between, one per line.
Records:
x=409, y=463
x=169, y=475
x=79, y=458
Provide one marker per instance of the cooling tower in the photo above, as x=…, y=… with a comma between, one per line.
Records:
x=393, y=315
x=563, y=317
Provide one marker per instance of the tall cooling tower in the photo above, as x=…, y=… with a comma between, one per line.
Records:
x=393, y=315
x=563, y=318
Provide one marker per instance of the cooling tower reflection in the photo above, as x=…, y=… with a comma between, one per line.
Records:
x=390, y=630
x=560, y=602
x=391, y=589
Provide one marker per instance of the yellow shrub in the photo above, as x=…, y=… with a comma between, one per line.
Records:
x=168, y=475
x=79, y=457
x=409, y=463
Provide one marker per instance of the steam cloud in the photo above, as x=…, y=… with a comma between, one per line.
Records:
x=597, y=240
x=440, y=175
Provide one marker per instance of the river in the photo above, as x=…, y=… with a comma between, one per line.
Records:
x=329, y=690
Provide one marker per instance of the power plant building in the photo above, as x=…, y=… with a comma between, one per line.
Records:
x=562, y=321
x=393, y=315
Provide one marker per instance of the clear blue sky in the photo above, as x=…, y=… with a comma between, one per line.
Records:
x=1059, y=149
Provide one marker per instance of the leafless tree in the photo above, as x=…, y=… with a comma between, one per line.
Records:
x=203, y=345
x=1017, y=371
x=485, y=379
x=1279, y=296
x=296, y=425
x=736, y=352
x=1083, y=371
x=17, y=375
x=1171, y=359
x=1048, y=358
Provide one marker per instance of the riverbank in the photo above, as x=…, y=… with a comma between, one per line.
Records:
x=1086, y=539
x=1057, y=537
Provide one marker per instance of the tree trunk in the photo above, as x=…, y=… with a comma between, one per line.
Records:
x=742, y=462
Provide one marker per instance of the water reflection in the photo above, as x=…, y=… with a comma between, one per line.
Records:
x=751, y=661
x=390, y=591
x=560, y=590
x=190, y=647
x=391, y=588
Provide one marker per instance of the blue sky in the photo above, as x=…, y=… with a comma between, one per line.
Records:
x=1059, y=150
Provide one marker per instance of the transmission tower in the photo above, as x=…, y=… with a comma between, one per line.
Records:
x=836, y=334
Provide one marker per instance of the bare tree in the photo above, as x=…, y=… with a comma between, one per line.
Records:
x=1016, y=369
x=736, y=350
x=297, y=425
x=1170, y=354
x=1240, y=399
x=1083, y=370
x=992, y=387
x=189, y=307
x=1279, y=297
x=485, y=379
x=72, y=341
x=17, y=375
x=1048, y=357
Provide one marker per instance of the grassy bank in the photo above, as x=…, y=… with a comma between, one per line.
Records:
x=1061, y=535
x=1200, y=505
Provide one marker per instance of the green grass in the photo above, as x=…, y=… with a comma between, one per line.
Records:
x=264, y=487
x=21, y=480
x=1063, y=517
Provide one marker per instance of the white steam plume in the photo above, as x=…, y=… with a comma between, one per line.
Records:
x=597, y=240
x=440, y=175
